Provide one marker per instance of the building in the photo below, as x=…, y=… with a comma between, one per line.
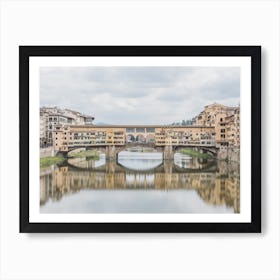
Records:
x=43, y=129
x=217, y=125
x=120, y=135
x=50, y=117
x=226, y=121
x=232, y=123
x=78, y=118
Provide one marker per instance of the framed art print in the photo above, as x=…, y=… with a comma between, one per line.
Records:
x=140, y=138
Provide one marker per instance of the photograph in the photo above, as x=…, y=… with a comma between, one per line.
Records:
x=139, y=140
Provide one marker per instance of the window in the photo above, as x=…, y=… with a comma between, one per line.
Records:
x=140, y=129
x=221, y=119
x=150, y=129
x=129, y=129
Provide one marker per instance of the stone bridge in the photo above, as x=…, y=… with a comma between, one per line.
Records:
x=113, y=139
x=165, y=166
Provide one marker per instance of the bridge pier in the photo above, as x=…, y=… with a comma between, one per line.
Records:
x=228, y=153
x=168, y=166
x=110, y=167
x=168, y=153
x=111, y=153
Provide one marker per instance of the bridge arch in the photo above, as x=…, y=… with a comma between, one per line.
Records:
x=84, y=148
x=149, y=168
x=206, y=150
x=130, y=138
x=140, y=138
x=108, y=167
x=211, y=151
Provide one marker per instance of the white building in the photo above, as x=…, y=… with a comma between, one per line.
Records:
x=52, y=116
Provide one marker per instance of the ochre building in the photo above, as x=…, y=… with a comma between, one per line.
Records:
x=66, y=137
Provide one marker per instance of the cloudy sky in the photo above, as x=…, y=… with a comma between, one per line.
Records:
x=139, y=95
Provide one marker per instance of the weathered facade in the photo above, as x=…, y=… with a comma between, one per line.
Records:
x=226, y=121
x=68, y=136
x=112, y=137
x=50, y=117
x=217, y=127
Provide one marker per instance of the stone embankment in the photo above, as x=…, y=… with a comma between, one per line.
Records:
x=47, y=152
x=229, y=154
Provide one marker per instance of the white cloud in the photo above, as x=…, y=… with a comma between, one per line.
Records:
x=158, y=95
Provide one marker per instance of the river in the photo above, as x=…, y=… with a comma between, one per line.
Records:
x=141, y=182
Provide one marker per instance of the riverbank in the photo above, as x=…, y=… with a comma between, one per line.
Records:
x=48, y=161
x=88, y=154
x=193, y=153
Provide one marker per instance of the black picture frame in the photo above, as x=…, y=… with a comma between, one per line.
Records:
x=254, y=52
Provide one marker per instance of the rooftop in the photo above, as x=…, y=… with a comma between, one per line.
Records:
x=142, y=126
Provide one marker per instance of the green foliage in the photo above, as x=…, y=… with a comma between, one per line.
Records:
x=48, y=161
x=92, y=158
x=193, y=153
x=183, y=122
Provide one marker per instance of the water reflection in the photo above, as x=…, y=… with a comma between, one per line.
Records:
x=140, y=161
x=141, y=183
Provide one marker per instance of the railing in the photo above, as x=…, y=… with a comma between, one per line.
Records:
x=157, y=143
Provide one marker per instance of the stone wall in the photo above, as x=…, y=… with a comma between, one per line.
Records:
x=168, y=152
x=111, y=153
x=47, y=152
x=229, y=154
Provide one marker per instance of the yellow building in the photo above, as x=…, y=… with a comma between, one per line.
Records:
x=116, y=135
x=217, y=125
x=226, y=121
